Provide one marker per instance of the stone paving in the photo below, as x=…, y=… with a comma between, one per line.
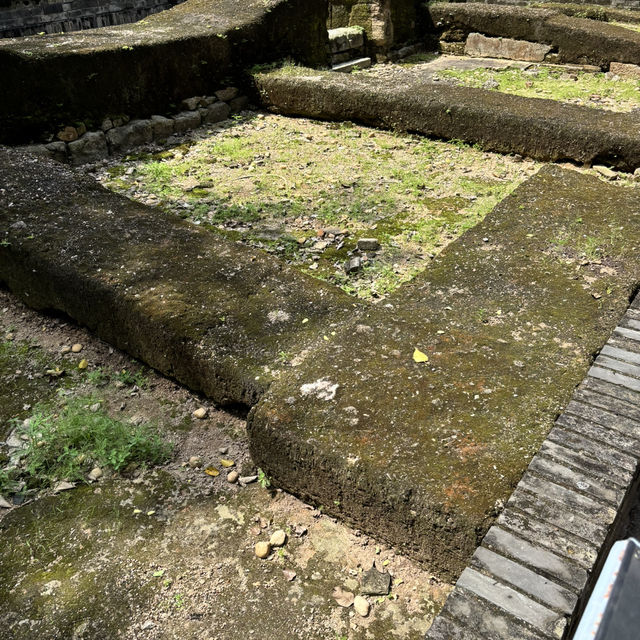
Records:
x=529, y=575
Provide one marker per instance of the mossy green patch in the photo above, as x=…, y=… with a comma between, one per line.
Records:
x=508, y=319
x=589, y=89
x=274, y=183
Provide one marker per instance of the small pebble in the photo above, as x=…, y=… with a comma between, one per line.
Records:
x=223, y=450
x=76, y=348
x=200, y=413
x=247, y=479
x=278, y=538
x=195, y=462
x=96, y=473
x=262, y=549
x=4, y=504
x=94, y=408
x=9, y=337
x=65, y=349
x=232, y=477
x=362, y=606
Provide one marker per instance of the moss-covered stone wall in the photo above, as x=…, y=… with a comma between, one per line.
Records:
x=142, y=69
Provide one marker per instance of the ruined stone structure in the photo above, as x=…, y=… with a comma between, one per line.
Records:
x=29, y=17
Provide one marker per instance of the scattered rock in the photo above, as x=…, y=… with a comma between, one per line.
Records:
x=195, y=462
x=201, y=413
x=289, y=574
x=368, y=244
x=68, y=134
x=247, y=479
x=262, y=549
x=95, y=474
x=375, y=583
x=76, y=348
x=342, y=597
x=354, y=265
x=278, y=538
x=362, y=606
x=94, y=408
x=605, y=172
x=4, y=504
x=63, y=486
x=232, y=477
x=147, y=625
x=227, y=94
x=323, y=389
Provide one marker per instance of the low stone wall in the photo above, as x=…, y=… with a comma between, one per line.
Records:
x=77, y=146
x=141, y=69
x=572, y=39
x=27, y=17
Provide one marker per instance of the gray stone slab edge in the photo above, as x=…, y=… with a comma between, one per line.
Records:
x=523, y=587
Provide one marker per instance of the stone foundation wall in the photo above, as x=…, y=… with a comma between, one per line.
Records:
x=386, y=22
x=30, y=17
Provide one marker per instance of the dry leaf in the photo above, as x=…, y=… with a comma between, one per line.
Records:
x=226, y=463
x=342, y=597
x=418, y=356
x=212, y=471
x=83, y=364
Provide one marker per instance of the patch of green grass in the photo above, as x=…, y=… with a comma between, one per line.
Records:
x=589, y=89
x=65, y=445
x=131, y=378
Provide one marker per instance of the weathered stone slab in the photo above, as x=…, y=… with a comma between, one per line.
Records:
x=543, y=129
x=536, y=557
x=601, y=452
x=622, y=433
x=617, y=365
x=345, y=38
x=576, y=40
x=615, y=378
x=550, y=536
x=579, y=460
x=480, y=46
x=489, y=622
x=525, y=580
x=428, y=448
x=90, y=147
x=208, y=312
x=513, y=602
x=609, y=397
x=557, y=514
x=623, y=70
x=596, y=487
x=620, y=354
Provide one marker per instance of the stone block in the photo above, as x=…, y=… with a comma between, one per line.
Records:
x=624, y=70
x=512, y=602
x=238, y=104
x=547, y=535
x=186, y=120
x=525, y=580
x=133, y=134
x=162, y=127
x=58, y=151
x=227, y=94
x=535, y=557
x=215, y=112
x=90, y=147
x=358, y=63
x=618, y=432
x=481, y=46
x=346, y=38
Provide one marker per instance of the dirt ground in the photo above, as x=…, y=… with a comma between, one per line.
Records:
x=168, y=552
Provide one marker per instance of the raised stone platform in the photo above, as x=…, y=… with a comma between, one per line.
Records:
x=532, y=574
x=573, y=39
x=542, y=129
x=422, y=452
x=141, y=69
x=209, y=312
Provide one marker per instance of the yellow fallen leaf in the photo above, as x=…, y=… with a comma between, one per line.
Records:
x=212, y=471
x=136, y=511
x=226, y=463
x=418, y=356
x=83, y=364
x=150, y=513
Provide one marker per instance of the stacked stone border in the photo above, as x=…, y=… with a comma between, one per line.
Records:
x=532, y=574
x=119, y=134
